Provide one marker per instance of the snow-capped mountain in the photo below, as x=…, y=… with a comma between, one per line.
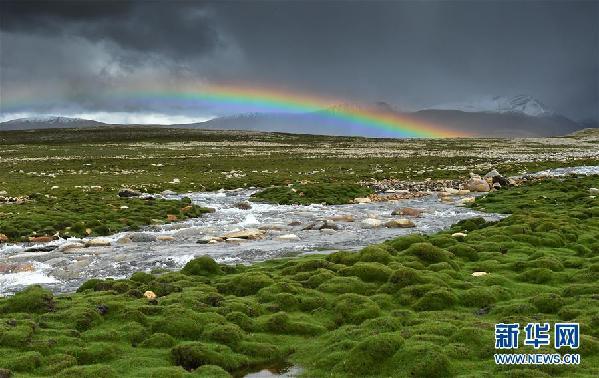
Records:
x=522, y=104
x=47, y=122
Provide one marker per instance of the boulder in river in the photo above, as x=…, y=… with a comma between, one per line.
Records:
x=478, y=185
x=362, y=200
x=128, y=193
x=407, y=211
x=288, y=237
x=66, y=247
x=400, y=223
x=3, y=238
x=141, y=237
x=243, y=205
x=16, y=268
x=165, y=238
x=249, y=233
x=98, y=242
x=322, y=225
x=491, y=174
x=371, y=223
x=41, y=239
x=342, y=218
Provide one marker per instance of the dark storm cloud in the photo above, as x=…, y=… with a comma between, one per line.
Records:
x=412, y=54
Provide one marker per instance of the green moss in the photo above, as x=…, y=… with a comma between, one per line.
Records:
x=478, y=297
x=436, y=300
x=431, y=362
x=548, y=303
x=228, y=334
x=90, y=371
x=428, y=253
x=158, y=340
x=403, y=277
x=369, y=271
x=211, y=371
x=192, y=355
x=200, y=266
x=246, y=284
x=404, y=242
x=24, y=362
x=331, y=194
x=375, y=253
x=354, y=309
x=33, y=299
x=536, y=275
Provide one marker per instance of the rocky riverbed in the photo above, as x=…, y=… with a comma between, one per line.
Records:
x=236, y=233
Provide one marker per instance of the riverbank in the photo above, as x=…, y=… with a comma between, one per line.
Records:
x=418, y=305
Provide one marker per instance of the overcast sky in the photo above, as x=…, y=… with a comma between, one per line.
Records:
x=63, y=57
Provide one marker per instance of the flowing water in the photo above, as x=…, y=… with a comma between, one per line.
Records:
x=64, y=271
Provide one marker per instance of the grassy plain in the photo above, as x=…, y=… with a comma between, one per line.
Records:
x=72, y=177
x=408, y=307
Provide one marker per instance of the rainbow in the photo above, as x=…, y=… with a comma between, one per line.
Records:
x=256, y=99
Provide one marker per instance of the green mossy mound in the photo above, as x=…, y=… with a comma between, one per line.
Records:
x=409, y=307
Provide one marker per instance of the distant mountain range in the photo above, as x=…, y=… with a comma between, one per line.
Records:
x=519, y=116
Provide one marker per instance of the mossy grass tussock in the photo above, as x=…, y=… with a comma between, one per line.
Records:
x=408, y=307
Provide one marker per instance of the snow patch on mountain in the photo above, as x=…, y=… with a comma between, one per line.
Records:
x=523, y=104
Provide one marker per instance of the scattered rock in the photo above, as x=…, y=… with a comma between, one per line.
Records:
x=45, y=248
x=459, y=235
x=371, y=223
x=483, y=311
x=209, y=209
x=16, y=268
x=321, y=225
x=503, y=182
x=41, y=239
x=141, y=237
x=150, y=295
x=465, y=201
x=479, y=274
x=128, y=193
x=294, y=223
x=102, y=309
x=3, y=238
x=69, y=246
x=362, y=200
x=342, y=218
x=273, y=227
x=478, y=185
x=168, y=193
x=98, y=242
x=244, y=205
x=594, y=191
x=451, y=191
x=186, y=208
x=250, y=233
x=124, y=240
x=235, y=240
x=496, y=186
x=491, y=174
x=165, y=238
x=407, y=211
x=288, y=237
x=400, y=223
x=171, y=217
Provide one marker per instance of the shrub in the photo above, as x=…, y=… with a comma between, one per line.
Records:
x=548, y=302
x=428, y=253
x=439, y=299
x=158, y=340
x=201, y=266
x=34, y=299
